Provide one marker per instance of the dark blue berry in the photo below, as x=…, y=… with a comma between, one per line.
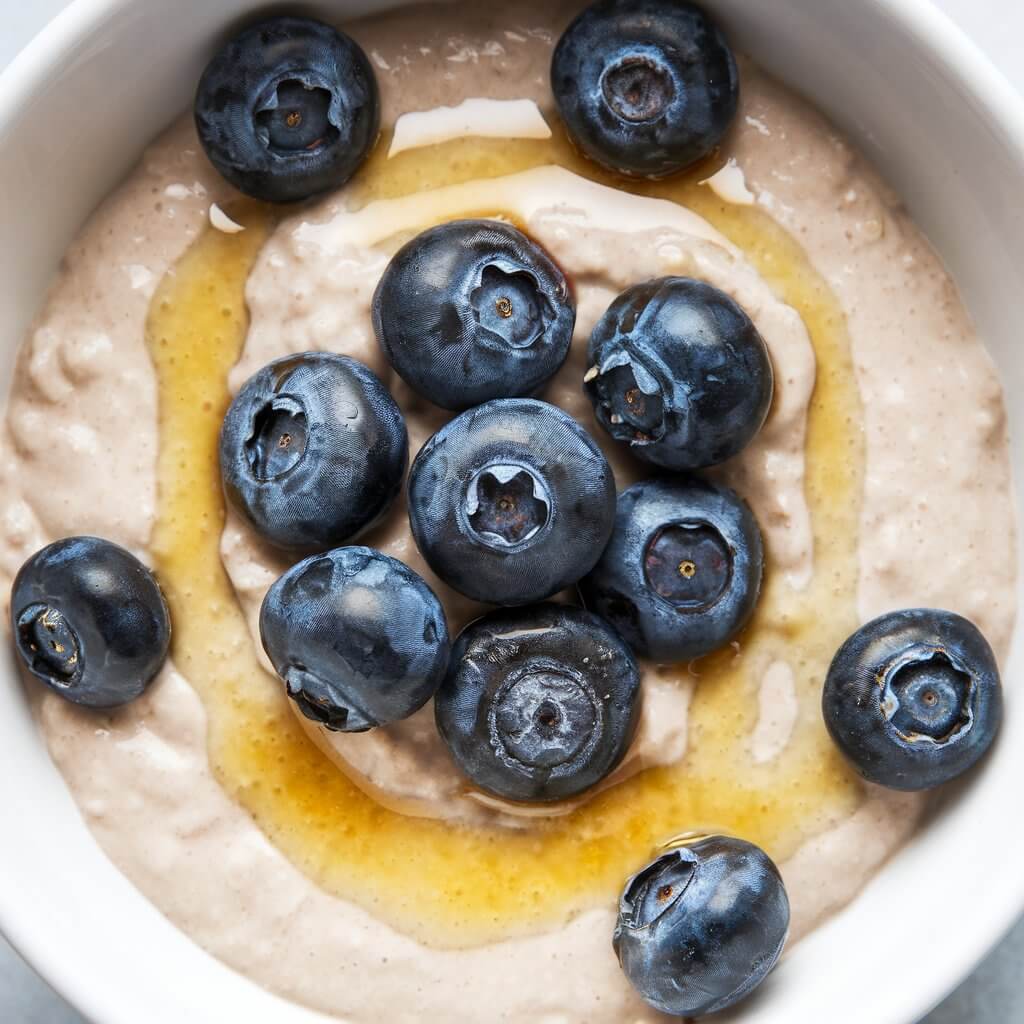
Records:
x=511, y=502
x=473, y=310
x=287, y=108
x=539, y=703
x=313, y=451
x=913, y=698
x=679, y=373
x=700, y=927
x=645, y=87
x=682, y=572
x=89, y=621
x=359, y=639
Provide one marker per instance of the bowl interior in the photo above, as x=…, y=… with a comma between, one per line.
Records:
x=948, y=133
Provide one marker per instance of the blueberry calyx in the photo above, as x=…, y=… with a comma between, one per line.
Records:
x=689, y=564
x=324, y=703
x=926, y=695
x=298, y=113
x=638, y=89
x=509, y=307
x=277, y=441
x=506, y=505
x=632, y=397
x=50, y=645
x=544, y=716
x=655, y=889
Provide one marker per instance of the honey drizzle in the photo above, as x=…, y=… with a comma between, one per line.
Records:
x=453, y=885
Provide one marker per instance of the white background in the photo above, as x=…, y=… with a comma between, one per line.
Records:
x=994, y=995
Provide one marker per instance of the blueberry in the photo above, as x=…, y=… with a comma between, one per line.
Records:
x=288, y=108
x=913, y=698
x=358, y=638
x=682, y=573
x=701, y=926
x=473, y=310
x=313, y=451
x=89, y=621
x=511, y=501
x=539, y=703
x=679, y=373
x=645, y=87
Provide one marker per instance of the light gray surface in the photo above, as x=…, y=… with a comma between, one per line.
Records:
x=993, y=994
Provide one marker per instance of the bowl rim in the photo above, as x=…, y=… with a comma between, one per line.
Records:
x=965, y=62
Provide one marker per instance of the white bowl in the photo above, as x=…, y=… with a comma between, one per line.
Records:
x=76, y=109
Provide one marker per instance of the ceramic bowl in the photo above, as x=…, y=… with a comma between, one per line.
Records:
x=76, y=109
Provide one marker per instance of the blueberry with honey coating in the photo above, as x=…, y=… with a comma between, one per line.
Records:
x=682, y=572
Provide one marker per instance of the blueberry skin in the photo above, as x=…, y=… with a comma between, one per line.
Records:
x=645, y=87
x=511, y=502
x=288, y=108
x=313, y=451
x=89, y=621
x=701, y=926
x=473, y=310
x=913, y=698
x=539, y=703
x=682, y=572
x=359, y=639
x=679, y=373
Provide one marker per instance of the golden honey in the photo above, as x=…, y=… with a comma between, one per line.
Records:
x=450, y=884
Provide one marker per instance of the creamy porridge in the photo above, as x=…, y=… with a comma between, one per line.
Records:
x=331, y=867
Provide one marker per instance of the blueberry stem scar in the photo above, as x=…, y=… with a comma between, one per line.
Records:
x=507, y=505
